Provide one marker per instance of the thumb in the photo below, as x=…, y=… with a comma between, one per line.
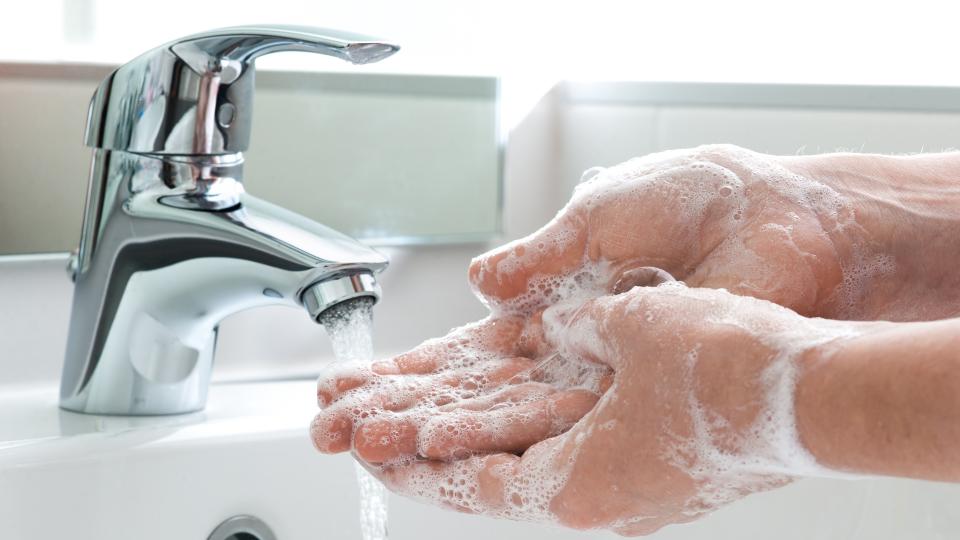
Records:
x=584, y=329
x=506, y=273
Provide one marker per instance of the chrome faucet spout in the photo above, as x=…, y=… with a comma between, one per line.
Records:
x=171, y=243
x=195, y=95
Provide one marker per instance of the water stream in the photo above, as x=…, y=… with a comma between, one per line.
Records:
x=350, y=327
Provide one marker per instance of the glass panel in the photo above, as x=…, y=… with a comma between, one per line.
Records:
x=390, y=158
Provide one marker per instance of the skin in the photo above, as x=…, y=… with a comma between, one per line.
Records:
x=628, y=444
x=900, y=389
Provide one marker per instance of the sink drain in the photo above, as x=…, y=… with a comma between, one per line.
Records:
x=242, y=528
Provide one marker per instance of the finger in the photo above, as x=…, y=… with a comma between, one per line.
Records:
x=558, y=248
x=404, y=392
x=461, y=433
x=511, y=395
x=475, y=485
x=501, y=485
x=645, y=276
x=509, y=429
x=463, y=347
x=339, y=378
x=331, y=432
x=333, y=427
x=387, y=437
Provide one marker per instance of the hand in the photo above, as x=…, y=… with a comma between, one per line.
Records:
x=492, y=385
x=837, y=235
x=699, y=414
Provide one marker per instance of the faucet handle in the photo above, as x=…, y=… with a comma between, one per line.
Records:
x=194, y=96
x=229, y=51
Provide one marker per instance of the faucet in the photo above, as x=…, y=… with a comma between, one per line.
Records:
x=171, y=244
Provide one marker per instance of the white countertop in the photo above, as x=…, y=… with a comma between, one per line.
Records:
x=34, y=430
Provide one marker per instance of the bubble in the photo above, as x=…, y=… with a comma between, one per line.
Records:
x=591, y=173
x=768, y=452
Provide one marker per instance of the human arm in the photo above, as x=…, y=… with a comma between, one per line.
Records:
x=885, y=403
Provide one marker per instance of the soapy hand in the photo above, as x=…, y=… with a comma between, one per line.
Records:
x=512, y=416
x=844, y=236
x=700, y=413
x=489, y=386
x=714, y=216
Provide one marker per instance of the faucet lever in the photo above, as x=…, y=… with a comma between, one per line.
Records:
x=245, y=43
x=194, y=96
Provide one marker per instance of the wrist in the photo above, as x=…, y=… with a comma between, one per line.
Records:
x=885, y=401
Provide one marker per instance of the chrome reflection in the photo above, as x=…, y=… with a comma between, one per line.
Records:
x=171, y=243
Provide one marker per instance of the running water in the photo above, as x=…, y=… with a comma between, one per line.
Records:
x=350, y=327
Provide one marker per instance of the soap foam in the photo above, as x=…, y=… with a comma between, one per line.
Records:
x=528, y=485
x=769, y=452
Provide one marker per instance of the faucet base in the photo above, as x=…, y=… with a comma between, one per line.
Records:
x=158, y=375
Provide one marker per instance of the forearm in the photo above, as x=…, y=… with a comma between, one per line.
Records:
x=906, y=208
x=887, y=402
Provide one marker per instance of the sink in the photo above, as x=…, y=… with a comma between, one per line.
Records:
x=69, y=475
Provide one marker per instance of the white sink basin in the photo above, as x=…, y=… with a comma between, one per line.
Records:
x=66, y=475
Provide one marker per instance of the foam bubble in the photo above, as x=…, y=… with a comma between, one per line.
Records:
x=527, y=489
x=768, y=452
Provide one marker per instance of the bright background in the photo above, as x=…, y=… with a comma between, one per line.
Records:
x=814, y=41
